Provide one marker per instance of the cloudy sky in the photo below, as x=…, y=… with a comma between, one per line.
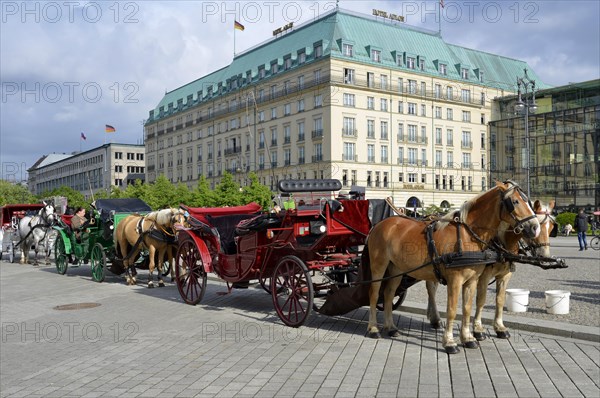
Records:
x=72, y=67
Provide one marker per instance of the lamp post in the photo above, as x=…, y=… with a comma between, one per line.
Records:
x=525, y=105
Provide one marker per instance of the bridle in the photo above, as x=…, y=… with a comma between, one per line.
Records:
x=543, y=217
x=509, y=206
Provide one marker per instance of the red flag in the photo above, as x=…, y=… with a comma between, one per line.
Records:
x=83, y=137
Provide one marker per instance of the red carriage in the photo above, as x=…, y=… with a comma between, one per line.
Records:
x=10, y=215
x=311, y=246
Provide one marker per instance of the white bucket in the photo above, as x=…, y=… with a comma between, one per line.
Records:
x=557, y=302
x=517, y=300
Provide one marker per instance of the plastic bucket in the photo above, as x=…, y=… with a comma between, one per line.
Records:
x=557, y=302
x=517, y=300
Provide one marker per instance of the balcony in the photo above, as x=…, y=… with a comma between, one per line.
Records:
x=274, y=142
x=350, y=157
x=400, y=137
x=317, y=133
x=233, y=150
x=301, y=160
x=423, y=140
x=317, y=158
x=466, y=145
x=287, y=140
x=261, y=145
x=301, y=137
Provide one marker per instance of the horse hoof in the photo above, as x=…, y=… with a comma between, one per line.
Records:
x=479, y=336
x=394, y=333
x=435, y=324
x=150, y=285
x=503, y=335
x=452, y=349
x=471, y=344
x=374, y=335
x=161, y=284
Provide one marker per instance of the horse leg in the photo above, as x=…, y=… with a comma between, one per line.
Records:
x=478, y=329
x=161, y=260
x=24, y=253
x=501, y=284
x=151, y=254
x=388, y=301
x=372, y=330
x=172, y=262
x=432, y=311
x=454, y=286
x=468, y=293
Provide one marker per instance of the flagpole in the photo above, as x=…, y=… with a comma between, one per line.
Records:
x=234, y=29
x=440, y=6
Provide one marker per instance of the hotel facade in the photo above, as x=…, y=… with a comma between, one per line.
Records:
x=370, y=102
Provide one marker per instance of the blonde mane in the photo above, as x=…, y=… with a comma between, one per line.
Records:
x=162, y=217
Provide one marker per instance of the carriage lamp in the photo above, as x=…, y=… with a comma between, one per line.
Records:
x=317, y=227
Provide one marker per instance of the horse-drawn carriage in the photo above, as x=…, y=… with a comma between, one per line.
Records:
x=311, y=246
x=10, y=216
x=95, y=242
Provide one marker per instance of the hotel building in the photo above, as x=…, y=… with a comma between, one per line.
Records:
x=371, y=102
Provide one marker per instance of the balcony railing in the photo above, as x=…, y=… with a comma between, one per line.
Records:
x=466, y=145
x=349, y=132
x=317, y=133
x=350, y=158
x=317, y=158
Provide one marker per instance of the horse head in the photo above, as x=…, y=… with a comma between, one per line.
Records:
x=516, y=210
x=48, y=214
x=168, y=218
x=540, y=245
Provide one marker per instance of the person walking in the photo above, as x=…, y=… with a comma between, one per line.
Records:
x=581, y=226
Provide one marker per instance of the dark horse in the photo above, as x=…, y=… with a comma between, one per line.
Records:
x=451, y=250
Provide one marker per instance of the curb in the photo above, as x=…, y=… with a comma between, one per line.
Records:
x=588, y=333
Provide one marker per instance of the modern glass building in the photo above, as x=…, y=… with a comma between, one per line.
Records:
x=564, y=134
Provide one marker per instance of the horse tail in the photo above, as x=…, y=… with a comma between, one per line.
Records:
x=365, y=265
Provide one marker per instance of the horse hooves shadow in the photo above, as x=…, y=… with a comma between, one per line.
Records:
x=394, y=333
x=503, y=335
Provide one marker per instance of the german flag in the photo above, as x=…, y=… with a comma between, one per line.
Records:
x=110, y=129
x=238, y=26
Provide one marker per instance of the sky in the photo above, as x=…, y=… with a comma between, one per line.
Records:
x=72, y=67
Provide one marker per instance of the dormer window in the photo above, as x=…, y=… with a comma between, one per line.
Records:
x=301, y=57
x=375, y=55
x=410, y=62
x=318, y=50
x=421, y=64
x=274, y=67
x=347, y=50
x=262, y=72
x=288, y=63
x=464, y=73
x=443, y=69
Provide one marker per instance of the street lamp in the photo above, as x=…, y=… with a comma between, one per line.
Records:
x=525, y=106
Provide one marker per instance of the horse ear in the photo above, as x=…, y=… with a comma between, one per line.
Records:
x=44, y=202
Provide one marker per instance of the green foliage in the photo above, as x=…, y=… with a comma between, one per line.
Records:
x=161, y=193
x=202, y=195
x=74, y=198
x=566, y=218
x=228, y=191
x=15, y=194
x=136, y=190
x=256, y=192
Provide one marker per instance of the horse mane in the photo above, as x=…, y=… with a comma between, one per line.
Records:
x=162, y=217
x=461, y=213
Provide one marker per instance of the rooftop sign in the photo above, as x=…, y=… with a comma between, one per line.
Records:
x=384, y=14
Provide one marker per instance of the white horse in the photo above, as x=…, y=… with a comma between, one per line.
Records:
x=33, y=230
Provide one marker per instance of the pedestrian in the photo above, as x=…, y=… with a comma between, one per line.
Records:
x=581, y=226
x=568, y=229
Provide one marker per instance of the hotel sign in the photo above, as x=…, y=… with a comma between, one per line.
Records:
x=283, y=28
x=384, y=14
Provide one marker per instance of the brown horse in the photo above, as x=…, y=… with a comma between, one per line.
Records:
x=424, y=250
x=501, y=271
x=156, y=232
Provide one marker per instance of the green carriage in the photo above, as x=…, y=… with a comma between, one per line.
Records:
x=95, y=243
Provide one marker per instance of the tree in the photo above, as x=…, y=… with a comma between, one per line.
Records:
x=74, y=198
x=228, y=191
x=135, y=190
x=161, y=193
x=202, y=195
x=257, y=192
x=15, y=194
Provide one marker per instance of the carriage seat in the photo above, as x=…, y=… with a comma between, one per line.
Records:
x=226, y=226
x=66, y=218
x=258, y=223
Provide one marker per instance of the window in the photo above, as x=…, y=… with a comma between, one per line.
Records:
x=318, y=100
x=422, y=64
x=384, y=154
x=423, y=110
x=348, y=76
x=301, y=158
x=449, y=93
x=400, y=85
x=347, y=49
x=287, y=132
x=274, y=136
x=412, y=133
x=412, y=86
x=438, y=136
x=449, y=137
x=464, y=73
x=383, y=79
x=349, y=126
x=437, y=91
x=410, y=62
x=438, y=112
x=350, y=151
x=317, y=76
x=400, y=155
x=370, y=79
x=412, y=155
x=371, y=153
x=301, y=105
x=450, y=160
x=376, y=55
x=412, y=177
x=400, y=177
x=443, y=69
x=370, y=103
x=465, y=95
x=274, y=68
x=438, y=158
x=466, y=160
x=301, y=58
x=384, y=130
x=483, y=141
x=370, y=128
x=300, y=82
x=400, y=132
x=423, y=88
x=466, y=116
x=369, y=178
x=300, y=131
x=288, y=63
x=449, y=114
x=466, y=140
x=349, y=99
x=318, y=51
x=412, y=108
x=424, y=157
x=273, y=113
x=287, y=109
x=318, y=151
x=384, y=104
x=400, y=107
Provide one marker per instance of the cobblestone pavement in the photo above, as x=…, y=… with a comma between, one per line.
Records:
x=141, y=342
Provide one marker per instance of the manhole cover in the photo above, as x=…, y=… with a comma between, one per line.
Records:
x=76, y=306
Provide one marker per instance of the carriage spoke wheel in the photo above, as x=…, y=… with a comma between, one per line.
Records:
x=60, y=256
x=98, y=262
x=595, y=243
x=189, y=273
x=292, y=291
x=165, y=268
x=11, y=253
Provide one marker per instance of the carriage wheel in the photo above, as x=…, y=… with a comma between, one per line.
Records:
x=60, y=256
x=189, y=273
x=595, y=243
x=11, y=253
x=98, y=262
x=292, y=291
x=265, y=283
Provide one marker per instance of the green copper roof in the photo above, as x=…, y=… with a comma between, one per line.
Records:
x=363, y=32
